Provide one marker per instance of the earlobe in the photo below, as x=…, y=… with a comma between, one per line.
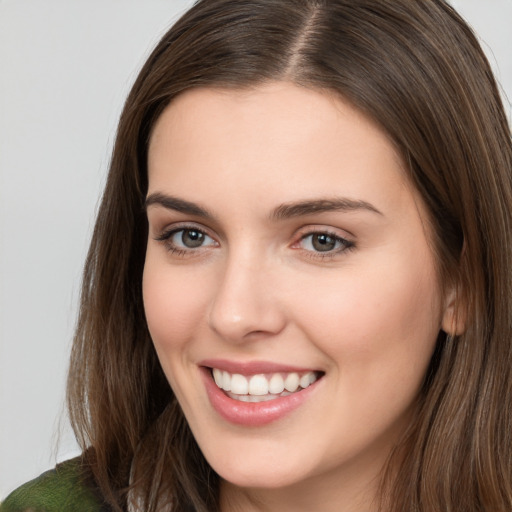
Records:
x=453, y=321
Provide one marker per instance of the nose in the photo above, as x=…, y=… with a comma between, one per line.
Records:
x=246, y=302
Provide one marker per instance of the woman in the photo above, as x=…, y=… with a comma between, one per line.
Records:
x=298, y=294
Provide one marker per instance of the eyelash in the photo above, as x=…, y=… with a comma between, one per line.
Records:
x=345, y=245
x=166, y=239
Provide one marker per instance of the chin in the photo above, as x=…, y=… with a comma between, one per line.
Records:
x=259, y=478
x=249, y=469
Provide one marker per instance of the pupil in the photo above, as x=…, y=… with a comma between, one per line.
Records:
x=192, y=238
x=323, y=242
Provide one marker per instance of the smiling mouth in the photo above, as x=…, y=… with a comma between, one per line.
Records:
x=263, y=387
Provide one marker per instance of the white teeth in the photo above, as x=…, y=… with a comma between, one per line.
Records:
x=259, y=387
x=217, y=376
x=276, y=384
x=304, y=381
x=292, y=382
x=239, y=384
x=226, y=381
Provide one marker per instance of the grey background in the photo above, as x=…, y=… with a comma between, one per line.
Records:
x=65, y=68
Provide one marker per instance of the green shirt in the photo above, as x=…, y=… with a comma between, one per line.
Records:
x=59, y=490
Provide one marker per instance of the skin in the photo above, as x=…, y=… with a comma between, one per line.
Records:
x=366, y=313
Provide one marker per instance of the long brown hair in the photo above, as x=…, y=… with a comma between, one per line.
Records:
x=417, y=70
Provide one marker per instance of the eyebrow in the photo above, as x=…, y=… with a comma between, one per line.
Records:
x=179, y=205
x=282, y=212
x=290, y=210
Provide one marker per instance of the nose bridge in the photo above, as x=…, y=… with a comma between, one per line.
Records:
x=245, y=302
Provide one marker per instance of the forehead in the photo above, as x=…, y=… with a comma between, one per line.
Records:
x=291, y=109
x=277, y=142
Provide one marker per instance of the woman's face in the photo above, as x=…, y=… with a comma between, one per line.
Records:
x=287, y=249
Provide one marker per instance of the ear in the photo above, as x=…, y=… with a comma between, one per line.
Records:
x=453, y=320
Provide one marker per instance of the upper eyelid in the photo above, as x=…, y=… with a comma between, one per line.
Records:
x=299, y=234
x=167, y=233
x=178, y=226
x=159, y=221
x=345, y=240
x=330, y=230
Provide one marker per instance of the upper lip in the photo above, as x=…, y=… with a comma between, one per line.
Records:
x=252, y=367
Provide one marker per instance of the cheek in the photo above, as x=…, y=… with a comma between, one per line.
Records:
x=382, y=322
x=378, y=330
x=174, y=306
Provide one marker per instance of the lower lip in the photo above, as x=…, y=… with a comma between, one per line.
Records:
x=253, y=414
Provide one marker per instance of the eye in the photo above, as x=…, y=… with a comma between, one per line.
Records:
x=323, y=243
x=190, y=238
x=185, y=239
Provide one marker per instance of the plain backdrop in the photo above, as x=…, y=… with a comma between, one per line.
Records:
x=65, y=69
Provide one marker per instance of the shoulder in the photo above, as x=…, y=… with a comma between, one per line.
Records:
x=61, y=489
